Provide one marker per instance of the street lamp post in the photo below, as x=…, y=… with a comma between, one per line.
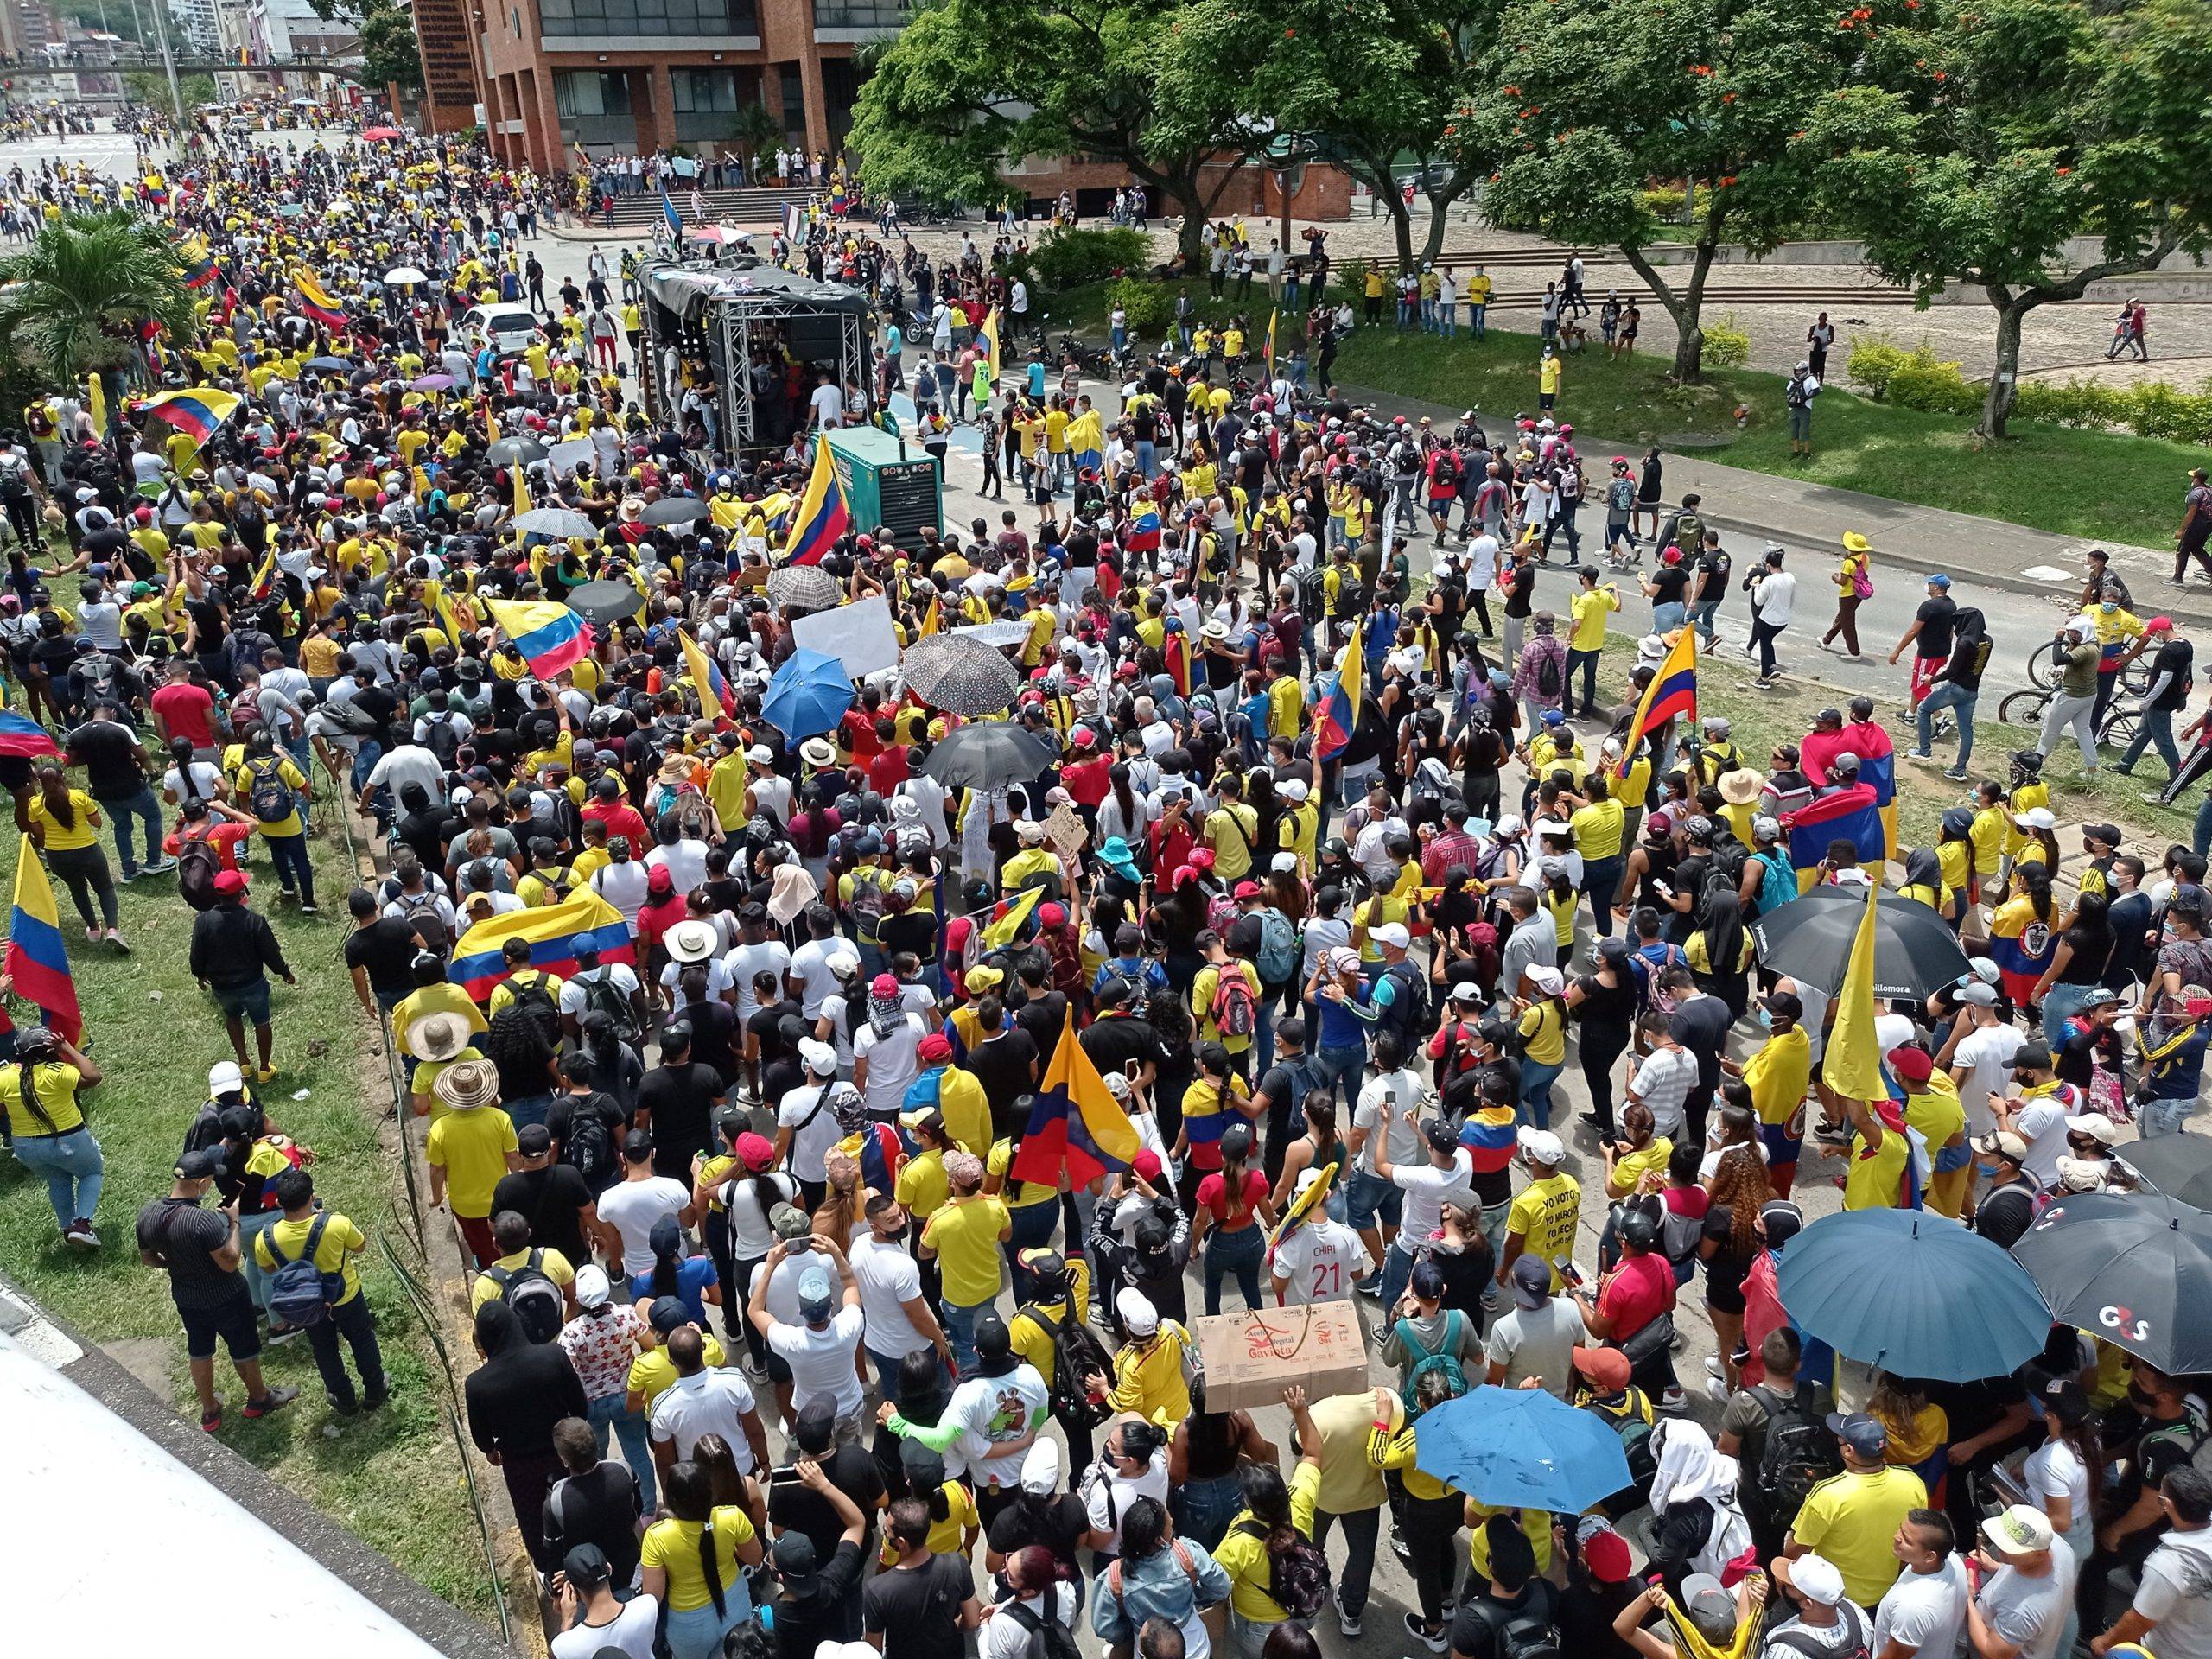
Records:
x=168, y=61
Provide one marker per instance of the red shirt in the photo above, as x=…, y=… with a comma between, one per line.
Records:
x=1088, y=782
x=1213, y=1195
x=222, y=834
x=859, y=731
x=888, y=770
x=620, y=819
x=1641, y=1289
x=188, y=711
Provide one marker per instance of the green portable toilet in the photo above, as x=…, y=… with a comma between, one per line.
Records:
x=888, y=481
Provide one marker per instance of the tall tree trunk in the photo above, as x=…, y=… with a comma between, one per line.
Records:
x=1685, y=308
x=1438, y=205
x=2005, y=375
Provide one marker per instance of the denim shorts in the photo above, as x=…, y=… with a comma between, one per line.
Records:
x=1370, y=1195
x=247, y=1002
x=233, y=1322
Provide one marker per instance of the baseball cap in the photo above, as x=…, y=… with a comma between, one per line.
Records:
x=1862, y=1433
x=2107, y=833
x=2031, y=1056
x=1541, y=1146
x=818, y=1057
x=586, y=1567
x=533, y=1140
x=1984, y=969
x=789, y=1222
x=198, y=1165
x=1441, y=1136
x=2002, y=1144
x=1391, y=933
x=1532, y=1280
x=795, y=1557
x=230, y=881
x=1816, y=1580
x=2096, y=1125
x=1606, y=1554
x=813, y=1298
x=1145, y=1165
x=1977, y=995
x=883, y=985
x=1938, y=579
x=935, y=1047
x=592, y=1289
x=669, y=1313
x=1608, y=1368
x=223, y=1078
x=2021, y=1529
x=1913, y=1065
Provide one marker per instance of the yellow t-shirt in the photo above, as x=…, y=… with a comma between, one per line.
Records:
x=1232, y=830
x=554, y=1264
x=965, y=1236
x=1777, y=1074
x=1544, y=1216
x=1015, y=1194
x=283, y=771
x=1631, y=1168
x=1874, y=1182
x=472, y=1147
x=946, y=1536
x=922, y=1187
x=673, y=1545
x=341, y=1241
x=1851, y=1519
x=1598, y=828
x=1203, y=991
x=1244, y=1557
x=1590, y=610
x=444, y=997
x=60, y=837
x=54, y=1088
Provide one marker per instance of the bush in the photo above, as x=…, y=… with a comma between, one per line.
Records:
x=1665, y=203
x=1936, y=388
x=1065, y=259
x=1728, y=345
x=2091, y=405
x=1874, y=359
x=2155, y=410
x=1149, y=306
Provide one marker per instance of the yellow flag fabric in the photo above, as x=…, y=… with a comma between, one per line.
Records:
x=1002, y=932
x=1852, y=1063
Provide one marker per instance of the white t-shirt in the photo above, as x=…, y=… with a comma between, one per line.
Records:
x=1425, y=1186
x=686, y=861
x=893, y=1061
x=748, y=960
x=2030, y=1612
x=2053, y=1470
x=622, y=885
x=1988, y=1052
x=631, y=1208
x=889, y=1278
x=751, y=1237
x=614, y=973
x=630, y=1632
x=993, y=1412
x=1389, y=1095
x=1108, y=1493
x=1319, y=1261
x=1926, y=1611
x=717, y=975
x=1002, y=1635
x=811, y=967
x=2176, y=1596
x=1771, y=603
x=2041, y=1123
x=207, y=777
x=712, y=1402
x=822, y=1361
x=811, y=1144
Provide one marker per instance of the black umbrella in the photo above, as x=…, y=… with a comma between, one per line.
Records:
x=507, y=451
x=958, y=673
x=1810, y=938
x=2134, y=1268
x=2180, y=1166
x=330, y=365
x=991, y=755
x=610, y=600
x=675, y=509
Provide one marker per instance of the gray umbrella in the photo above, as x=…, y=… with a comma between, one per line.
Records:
x=805, y=587
x=507, y=451
x=991, y=755
x=959, y=675
x=609, y=599
x=555, y=521
x=675, y=509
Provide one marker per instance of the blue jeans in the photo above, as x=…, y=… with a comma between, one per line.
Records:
x=960, y=1328
x=612, y=1411
x=1702, y=613
x=1668, y=616
x=1475, y=317
x=121, y=811
x=2057, y=1002
x=886, y=1372
x=528, y=1110
x=1332, y=1065
x=1238, y=1253
x=1535, y=1109
x=1960, y=702
x=1397, y=1268
x=72, y=1168
x=2152, y=726
x=698, y=1633
x=1601, y=880
x=1446, y=320
x=2201, y=836
x=1145, y=451
x=294, y=869
x=2156, y=1117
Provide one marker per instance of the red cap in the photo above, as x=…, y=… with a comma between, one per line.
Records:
x=883, y=986
x=230, y=881
x=1051, y=916
x=1147, y=1165
x=1247, y=890
x=1606, y=1553
x=1913, y=1065
x=755, y=1151
x=936, y=1046
x=2159, y=624
x=1084, y=737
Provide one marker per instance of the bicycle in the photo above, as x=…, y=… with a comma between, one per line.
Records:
x=2026, y=707
x=2045, y=665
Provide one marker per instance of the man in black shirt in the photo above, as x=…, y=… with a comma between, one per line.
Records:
x=2008, y=1205
x=603, y=1167
x=379, y=954
x=850, y=1468
x=1929, y=636
x=199, y=1248
x=1045, y=1011
x=677, y=1102
x=1699, y=1023
x=920, y=1606
x=1005, y=1063
x=233, y=951
x=2169, y=685
x=551, y=1197
x=816, y=1603
x=1515, y=1610
x=595, y=1503
x=116, y=769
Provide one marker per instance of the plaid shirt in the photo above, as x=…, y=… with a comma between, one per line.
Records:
x=1452, y=846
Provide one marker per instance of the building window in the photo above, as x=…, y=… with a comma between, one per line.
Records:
x=860, y=14
x=587, y=93
x=649, y=17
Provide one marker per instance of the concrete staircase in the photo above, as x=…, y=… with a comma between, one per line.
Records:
x=751, y=206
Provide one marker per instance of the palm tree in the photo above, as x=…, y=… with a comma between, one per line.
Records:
x=753, y=129
x=73, y=301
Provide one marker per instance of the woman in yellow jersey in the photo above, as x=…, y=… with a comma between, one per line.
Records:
x=692, y=1562
x=1540, y=1008
x=2023, y=932
x=39, y=1094
x=1956, y=864
x=65, y=822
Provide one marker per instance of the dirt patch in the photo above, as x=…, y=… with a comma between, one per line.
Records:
x=151, y=1360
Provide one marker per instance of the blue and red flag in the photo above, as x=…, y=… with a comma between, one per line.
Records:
x=26, y=739
x=1489, y=1136
x=1877, y=764
x=1847, y=815
x=1175, y=648
x=202, y=270
x=557, y=935
x=550, y=636
x=1075, y=1123
x=821, y=516
x=1336, y=710
x=36, y=960
x=1144, y=531
x=1671, y=695
x=196, y=413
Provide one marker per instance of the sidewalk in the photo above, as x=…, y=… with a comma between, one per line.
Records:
x=1993, y=553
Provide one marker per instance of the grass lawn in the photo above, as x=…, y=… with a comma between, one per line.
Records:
x=394, y=1478
x=2096, y=486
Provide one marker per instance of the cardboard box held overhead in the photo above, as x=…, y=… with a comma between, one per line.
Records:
x=1251, y=1359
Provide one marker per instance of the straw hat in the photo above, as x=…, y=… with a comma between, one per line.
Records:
x=1741, y=787
x=466, y=1084
x=691, y=941
x=437, y=1037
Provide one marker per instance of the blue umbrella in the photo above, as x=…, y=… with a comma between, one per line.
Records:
x=1521, y=1448
x=1914, y=1293
x=808, y=696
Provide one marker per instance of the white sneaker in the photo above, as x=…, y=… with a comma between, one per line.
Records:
x=1712, y=1366
x=1436, y=1642
x=1347, y=1624
x=1716, y=1390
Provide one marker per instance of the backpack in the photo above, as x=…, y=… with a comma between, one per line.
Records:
x=588, y=1149
x=441, y=738
x=270, y=800
x=420, y=912
x=603, y=996
x=556, y=884
x=1443, y=1357
x=1724, y=875
x=533, y=1295
x=1856, y=1643
x=1549, y=676
x=1522, y=1633
x=1277, y=959
x=534, y=1000
x=1408, y=1014
x=1298, y=1574
x=1075, y=1355
x=198, y=864
x=1798, y=1454
x=1862, y=581
x=1235, y=1010
x=350, y=720
x=299, y=1292
x=1635, y=1431
x=1778, y=881
x=1048, y=1638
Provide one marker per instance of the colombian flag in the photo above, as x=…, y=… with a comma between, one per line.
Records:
x=706, y=679
x=933, y=620
x=989, y=334
x=1852, y=1062
x=35, y=959
x=550, y=636
x=1877, y=764
x=1176, y=648
x=1490, y=1136
x=557, y=934
x=1848, y=815
x=26, y=739
x=1673, y=692
x=1144, y=531
x=821, y=516
x=196, y=413
x=998, y=934
x=201, y=271
x=1273, y=317
x=1075, y=1125
x=315, y=301
x=1335, y=715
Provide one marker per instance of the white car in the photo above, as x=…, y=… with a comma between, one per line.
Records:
x=509, y=329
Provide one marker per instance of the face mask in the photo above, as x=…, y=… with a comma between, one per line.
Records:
x=1987, y=1171
x=1766, y=1017
x=2109, y=606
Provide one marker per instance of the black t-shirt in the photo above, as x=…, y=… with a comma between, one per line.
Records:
x=2005, y=1212
x=189, y=1236
x=1113, y=1042
x=917, y=1612
x=1478, y=1628
x=599, y=1507
x=1042, y=1016
x=680, y=1100
x=1935, y=617
x=111, y=756
x=1669, y=583
x=829, y=1612
x=1714, y=564
x=1004, y=1066
x=386, y=948
x=766, y=1024
x=2173, y=658
x=552, y=1199
x=714, y=1035
x=562, y=1112
x=1701, y=1025
x=800, y=1508
x=1969, y=659
x=1059, y=1529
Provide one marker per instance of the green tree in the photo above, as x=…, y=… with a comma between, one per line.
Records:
x=754, y=129
x=390, y=52
x=1586, y=106
x=2021, y=126
x=970, y=87
x=1364, y=85
x=73, y=301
